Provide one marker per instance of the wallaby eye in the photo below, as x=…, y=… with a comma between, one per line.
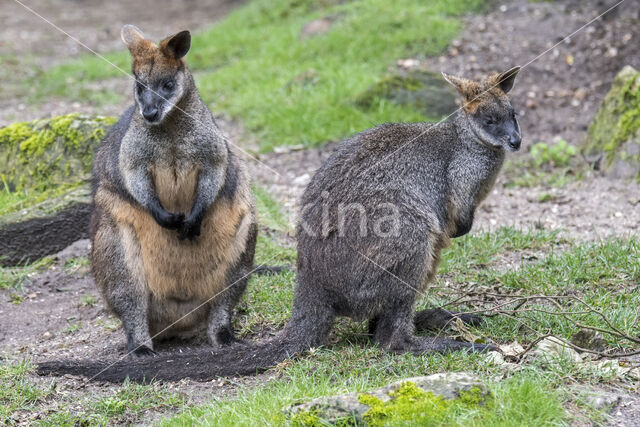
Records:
x=168, y=85
x=139, y=88
x=488, y=121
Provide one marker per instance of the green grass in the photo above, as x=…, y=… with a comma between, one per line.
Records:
x=16, y=277
x=270, y=213
x=19, y=396
x=605, y=274
x=12, y=201
x=16, y=392
x=526, y=398
x=286, y=89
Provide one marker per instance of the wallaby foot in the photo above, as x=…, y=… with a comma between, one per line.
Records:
x=438, y=318
x=138, y=347
x=142, y=351
x=394, y=332
x=219, y=330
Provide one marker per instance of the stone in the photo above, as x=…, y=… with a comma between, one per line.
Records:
x=551, y=349
x=50, y=160
x=48, y=153
x=424, y=90
x=613, y=138
x=600, y=399
x=317, y=27
x=589, y=339
x=350, y=406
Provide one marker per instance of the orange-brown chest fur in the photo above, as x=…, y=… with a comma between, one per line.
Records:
x=182, y=269
x=175, y=187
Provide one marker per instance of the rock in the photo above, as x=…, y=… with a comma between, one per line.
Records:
x=423, y=90
x=45, y=154
x=356, y=406
x=551, y=349
x=302, y=180
x=589, y=340
x=51, y=160
x=77, y=249
x=613, y=140
x=317, y=27
x=599, y=399
x=45, y=228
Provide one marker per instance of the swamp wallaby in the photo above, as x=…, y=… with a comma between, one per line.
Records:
x=173, y=225
x=416, y=186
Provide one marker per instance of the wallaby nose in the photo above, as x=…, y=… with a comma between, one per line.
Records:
x=150, y=114
x=515, y=141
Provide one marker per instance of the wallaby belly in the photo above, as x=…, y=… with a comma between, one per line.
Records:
x=182, y=270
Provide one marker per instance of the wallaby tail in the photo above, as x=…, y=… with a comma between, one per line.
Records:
x=237, y=359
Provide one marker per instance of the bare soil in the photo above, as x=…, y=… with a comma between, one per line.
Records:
x=557, y=95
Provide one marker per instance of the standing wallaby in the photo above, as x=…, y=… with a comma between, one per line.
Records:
x=416, y=185
x=173, y=224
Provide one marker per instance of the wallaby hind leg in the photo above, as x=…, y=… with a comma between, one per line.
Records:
x=219, y=328
x=394, y=332
x=438, y=318
x=121, y=287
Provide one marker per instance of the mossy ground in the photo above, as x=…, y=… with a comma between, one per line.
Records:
x=411, y=404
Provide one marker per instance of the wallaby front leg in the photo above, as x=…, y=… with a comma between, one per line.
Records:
x=138, y=182
x=208, y=185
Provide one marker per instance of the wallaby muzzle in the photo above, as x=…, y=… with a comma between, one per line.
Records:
x=514, y=139
x=151, y=106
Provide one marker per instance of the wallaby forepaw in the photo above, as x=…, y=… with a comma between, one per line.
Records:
x=169, y=220
x=189, y=230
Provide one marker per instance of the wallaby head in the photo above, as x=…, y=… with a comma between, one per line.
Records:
x=491, y=116
x=162, y=79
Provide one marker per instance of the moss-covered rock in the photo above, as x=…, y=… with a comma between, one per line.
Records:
x=423, y=90
x=45, y=154
x=421, y=400
x=46, y=164
x=613, y=139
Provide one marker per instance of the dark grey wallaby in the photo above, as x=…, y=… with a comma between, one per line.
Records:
x=417, y=186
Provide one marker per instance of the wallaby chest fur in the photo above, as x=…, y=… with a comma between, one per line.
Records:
x=182, y=268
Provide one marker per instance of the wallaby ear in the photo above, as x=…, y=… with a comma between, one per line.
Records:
x=468, y=89
x=507, y=79
x=131, y=36
x=457, y=82
x=178, y=45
